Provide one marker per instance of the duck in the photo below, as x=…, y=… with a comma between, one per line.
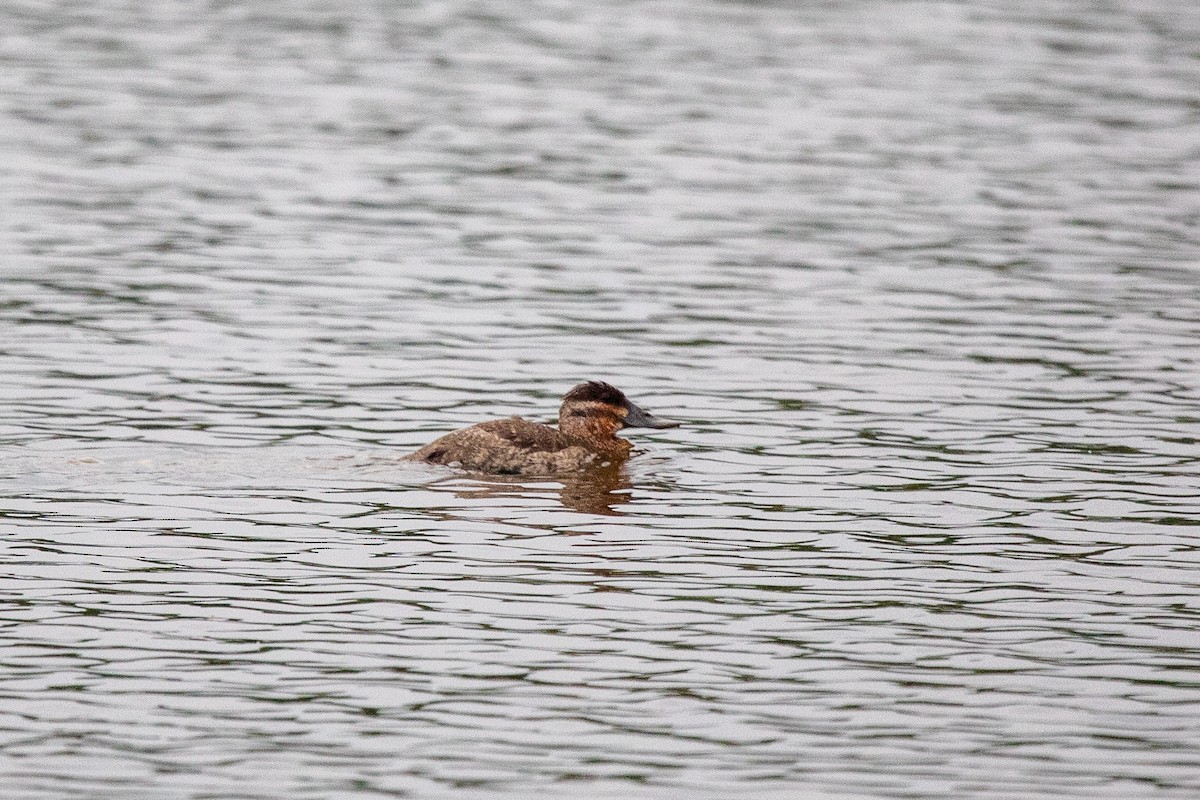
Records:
x=586, y=437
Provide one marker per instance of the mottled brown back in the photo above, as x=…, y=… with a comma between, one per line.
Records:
x=517, y=446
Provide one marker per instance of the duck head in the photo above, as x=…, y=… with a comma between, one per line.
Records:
x=596, y=409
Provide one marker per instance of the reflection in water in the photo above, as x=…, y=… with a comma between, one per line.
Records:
x=593, y=491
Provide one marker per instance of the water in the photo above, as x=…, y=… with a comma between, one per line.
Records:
x=922, y=279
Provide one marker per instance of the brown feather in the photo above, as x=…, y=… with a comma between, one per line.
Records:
x=517, y=446
x=588, y=421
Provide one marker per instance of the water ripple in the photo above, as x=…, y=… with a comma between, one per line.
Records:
x=920, y=281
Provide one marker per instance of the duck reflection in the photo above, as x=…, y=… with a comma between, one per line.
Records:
x=593, y=491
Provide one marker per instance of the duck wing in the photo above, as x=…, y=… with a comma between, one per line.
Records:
x=521, y=434
x=511, y=446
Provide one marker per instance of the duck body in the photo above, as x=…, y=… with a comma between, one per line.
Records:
x=590, y=416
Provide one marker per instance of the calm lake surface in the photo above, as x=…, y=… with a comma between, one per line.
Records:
x=922, y=280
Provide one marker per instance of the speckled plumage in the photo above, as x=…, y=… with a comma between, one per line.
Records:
x=589, y=418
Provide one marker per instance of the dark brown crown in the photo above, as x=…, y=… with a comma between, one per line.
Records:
x=598, y=392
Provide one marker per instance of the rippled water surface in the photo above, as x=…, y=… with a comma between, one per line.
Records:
x=921, y=278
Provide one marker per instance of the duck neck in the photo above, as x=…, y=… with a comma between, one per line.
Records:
x=598, y=424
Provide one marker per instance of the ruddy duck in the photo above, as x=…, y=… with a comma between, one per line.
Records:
x=590, y=416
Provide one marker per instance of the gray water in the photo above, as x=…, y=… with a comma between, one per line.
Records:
x=922, y=279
